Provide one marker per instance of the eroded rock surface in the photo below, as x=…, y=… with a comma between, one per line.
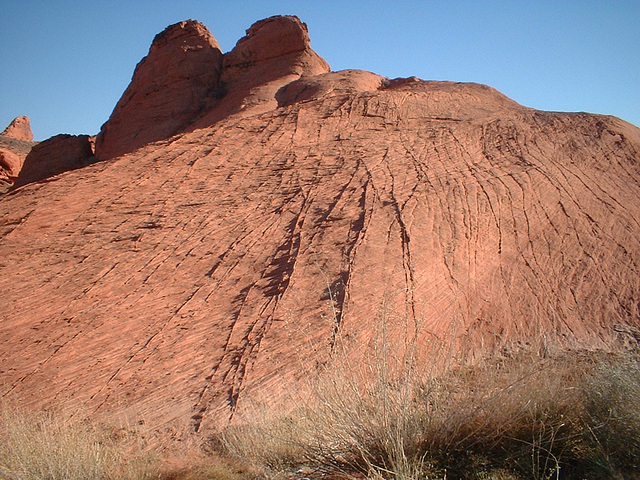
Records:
x=169, y=88
x=182, y=282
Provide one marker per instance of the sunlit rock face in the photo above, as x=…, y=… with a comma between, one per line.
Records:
x=303, y=214
x=170, y=86
x=20, y=129
x=16, y=142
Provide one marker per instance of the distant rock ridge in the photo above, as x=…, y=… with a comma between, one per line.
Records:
x=16, y=142
x=20, y=129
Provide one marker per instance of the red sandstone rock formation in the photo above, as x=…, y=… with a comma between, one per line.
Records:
x=275, y=52
x=170, y=86
x=15, y=144
x=53, y=156
x=185, y=77
x=183, y=281
x=20, y=129
x=10, y=164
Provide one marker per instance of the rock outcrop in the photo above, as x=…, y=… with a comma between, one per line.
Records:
x=10, y=165
x=16, y=142
x=335, y=210
x=170, y=87
x=56, y=155
x=275, y=51
x=185, y=82
x=20, y=129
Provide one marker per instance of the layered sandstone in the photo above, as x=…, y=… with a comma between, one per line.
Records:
x=201, y=273
x=170, y=86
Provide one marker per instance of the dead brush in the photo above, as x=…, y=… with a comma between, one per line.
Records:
x=573, y=416
x=48, y=445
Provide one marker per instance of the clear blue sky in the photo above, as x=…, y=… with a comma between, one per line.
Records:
x=65, y=63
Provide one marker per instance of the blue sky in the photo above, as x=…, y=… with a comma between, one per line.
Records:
x=65, y=63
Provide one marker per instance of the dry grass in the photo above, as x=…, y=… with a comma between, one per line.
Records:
x=49, y=445
x=573, y=417
x=209, y=467
x=62, y=446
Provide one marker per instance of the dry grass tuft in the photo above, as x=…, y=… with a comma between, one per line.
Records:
x=57, y=446
x=572, y=417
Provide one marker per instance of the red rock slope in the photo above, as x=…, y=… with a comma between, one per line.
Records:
x=182, y=280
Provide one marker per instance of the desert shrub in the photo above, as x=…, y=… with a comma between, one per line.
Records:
x=56, y=446
x=575, y=416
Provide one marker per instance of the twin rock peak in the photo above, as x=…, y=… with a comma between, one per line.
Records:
x=186, y=81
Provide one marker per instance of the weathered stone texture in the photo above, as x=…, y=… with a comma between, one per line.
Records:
x=183, y=281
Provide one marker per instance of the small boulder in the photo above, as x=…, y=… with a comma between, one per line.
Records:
x=53, y=156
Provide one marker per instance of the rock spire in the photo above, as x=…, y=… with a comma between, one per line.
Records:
x=169, y=88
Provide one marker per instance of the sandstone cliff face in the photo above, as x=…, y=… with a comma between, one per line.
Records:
x=184, y=281
x=170, y=86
